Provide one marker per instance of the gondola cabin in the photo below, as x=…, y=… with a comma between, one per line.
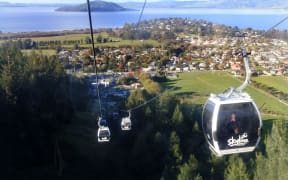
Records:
x=103, y=134
x=126, y=124
x=231, y=123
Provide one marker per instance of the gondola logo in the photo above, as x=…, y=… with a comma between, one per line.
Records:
x=241, y=141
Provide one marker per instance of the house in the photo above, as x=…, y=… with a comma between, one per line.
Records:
x=186, y=69
x=236, y=67
x=235, y=73
x=178, y=69
x=285, y=62
x=202, y=66
x=131, y=73
x=85, y=52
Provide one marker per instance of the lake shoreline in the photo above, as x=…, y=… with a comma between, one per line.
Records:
x=45, y=19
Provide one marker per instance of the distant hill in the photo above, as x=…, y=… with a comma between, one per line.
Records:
x=167, y=4
x=100, y=6
x=252, y=3
x=281, y=4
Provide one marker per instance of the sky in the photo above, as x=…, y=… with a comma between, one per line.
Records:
x=71, y=1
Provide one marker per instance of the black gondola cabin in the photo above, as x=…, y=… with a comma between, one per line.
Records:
x=231, y=124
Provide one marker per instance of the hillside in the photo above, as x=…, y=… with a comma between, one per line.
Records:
x=210, y=4
x=100, y=6
x=201, y=84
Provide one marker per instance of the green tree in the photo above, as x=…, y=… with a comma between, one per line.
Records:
x=99, y=38
x=37, y=103
x=261, y=171
x=136, y=98
x=189, y=170
x=165, y=107
x=88, y=40
x=6, y=82
x=177, y=117
x=174, y=158
x=276, y=155
x=76, y=46
x=236, y=169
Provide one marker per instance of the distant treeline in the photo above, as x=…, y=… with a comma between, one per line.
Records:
x=31, y=44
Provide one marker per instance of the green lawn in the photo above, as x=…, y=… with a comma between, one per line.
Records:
x=201, y=84
x=68, y=37
x=47, y=52
x=82, y=37
x=278, y=82
x=124, y=43
x=104, y=35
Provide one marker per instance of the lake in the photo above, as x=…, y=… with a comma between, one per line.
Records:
x=27, y=19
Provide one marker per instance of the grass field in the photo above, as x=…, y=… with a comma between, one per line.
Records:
x=82, y=37
x=124, y=43
x=68, y=37
x=47, y=52
x=201, y=84
x=118, y=42
x=278, y=82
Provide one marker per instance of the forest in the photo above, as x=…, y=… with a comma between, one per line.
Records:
x=48, y=130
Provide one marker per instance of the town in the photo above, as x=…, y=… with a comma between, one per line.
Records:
x=190, y=50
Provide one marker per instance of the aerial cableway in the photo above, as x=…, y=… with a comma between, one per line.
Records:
x=104, y=133
x=231, y=121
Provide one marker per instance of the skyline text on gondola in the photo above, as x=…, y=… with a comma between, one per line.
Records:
x=241, y=141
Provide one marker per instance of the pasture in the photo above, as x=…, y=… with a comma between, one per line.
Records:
x=196, y=87
x=278, y=82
